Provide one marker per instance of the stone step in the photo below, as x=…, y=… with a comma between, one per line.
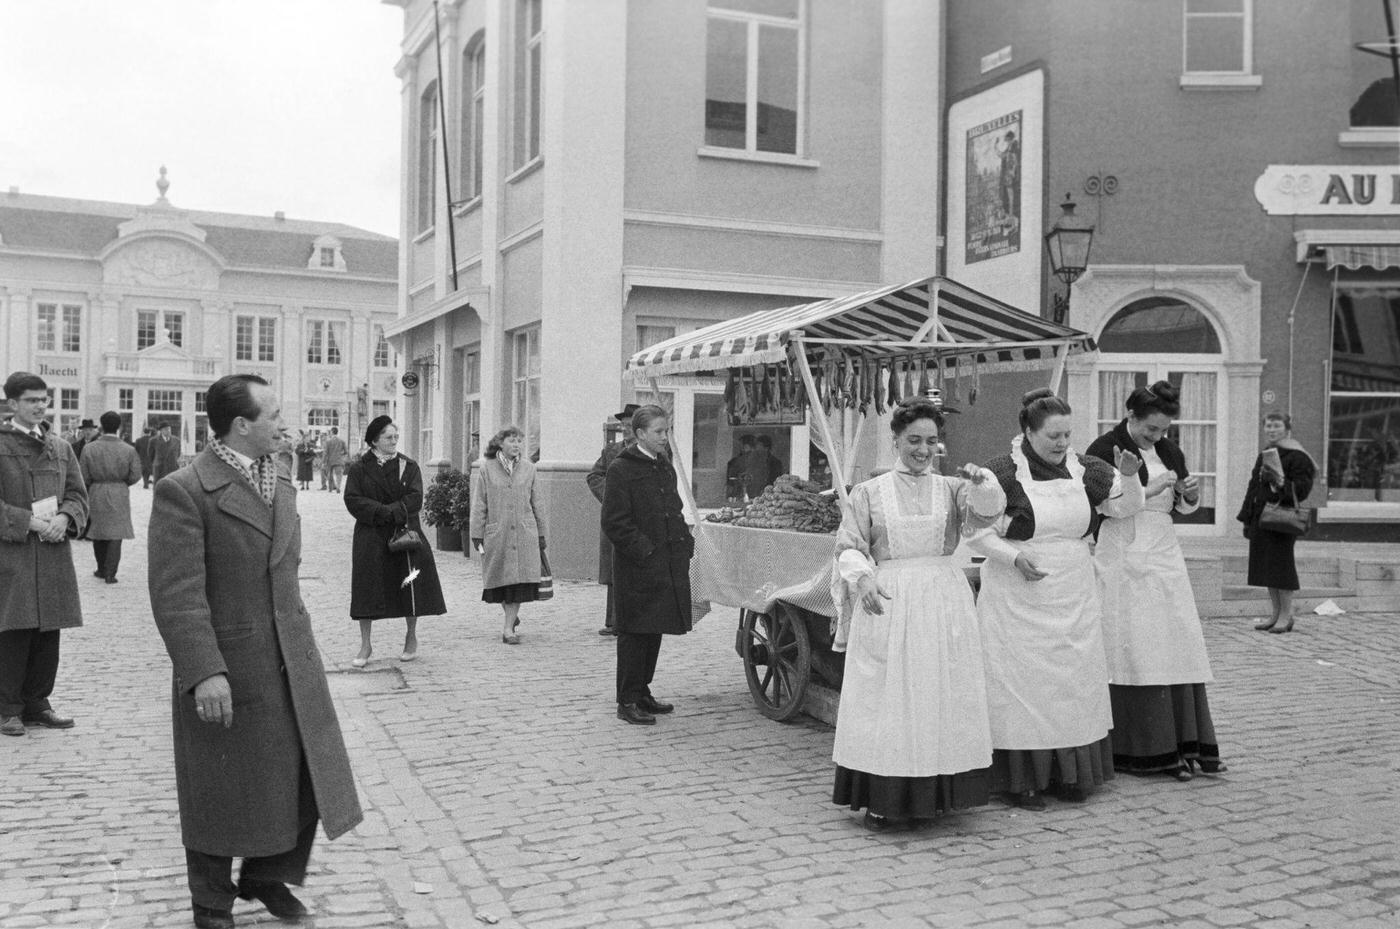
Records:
x=1245, y=592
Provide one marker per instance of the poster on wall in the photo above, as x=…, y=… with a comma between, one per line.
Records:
x=993, y=204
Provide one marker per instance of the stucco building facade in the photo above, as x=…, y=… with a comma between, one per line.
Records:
x=139, y=309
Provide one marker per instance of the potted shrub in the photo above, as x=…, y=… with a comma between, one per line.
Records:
x=439, y=508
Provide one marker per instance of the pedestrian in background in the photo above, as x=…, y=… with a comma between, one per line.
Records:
x=43, y=504
x=642, y=518
x=143, y=453
x=1042, y=624
x=259, y=757
x=87, y=432
x=110, y=467
x=333, y=454
x=912, y=736
x=597, y=481
x=507, y=527
x=384, y=492
x=1283, y=473
x=165, y=453
x=306, y=459
x=1157, y=663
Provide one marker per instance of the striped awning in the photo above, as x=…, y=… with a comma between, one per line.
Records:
x=932, y=316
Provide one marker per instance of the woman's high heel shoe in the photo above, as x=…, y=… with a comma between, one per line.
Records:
x=510, y=639
x=358, y=662
x=1265, y=627
x=1286, y=627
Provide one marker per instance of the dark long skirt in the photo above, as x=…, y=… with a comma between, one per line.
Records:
x=1085, y=766
x=901, y=798
x=1271, y=560
x=1162, y=728
x=512, y=593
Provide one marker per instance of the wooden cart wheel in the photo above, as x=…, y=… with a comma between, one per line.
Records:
x=777, y=660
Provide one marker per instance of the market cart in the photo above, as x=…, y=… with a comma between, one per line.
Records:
x=836, y=366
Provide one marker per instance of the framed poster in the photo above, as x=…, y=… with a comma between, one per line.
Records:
x=993, y=201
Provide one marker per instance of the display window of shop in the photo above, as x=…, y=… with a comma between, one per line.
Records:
x=152, y=324
x=525, y=385
x=1363, y=434
x=754, y=75
x=60, y=327
x=1163, y=339
x=324, y=341
x=255, y=338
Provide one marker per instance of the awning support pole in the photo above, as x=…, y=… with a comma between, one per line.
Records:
x=838, y=470
x=687, y=492
x=1059, y=371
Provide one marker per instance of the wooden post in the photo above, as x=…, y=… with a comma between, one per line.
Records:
x=838, y=470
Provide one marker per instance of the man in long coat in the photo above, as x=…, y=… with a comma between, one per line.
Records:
x=164, y=452
x=143, y=451
x=43, y=505
x=258, y=751
x=333, y=454
x=651, y=564
x=110, y=467
x=597, y=480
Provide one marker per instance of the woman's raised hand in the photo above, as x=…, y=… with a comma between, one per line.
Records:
x=1126, y=462
x=973, y=473
x=871, y=593
x=1160, y=483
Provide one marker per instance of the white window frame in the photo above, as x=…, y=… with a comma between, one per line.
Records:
x=258, y=326
x=473, y=118
x=162, y=322
x=159, y=400
x=428, y=129
x=323, y=417
x=384, y=355
x=326, y=255
x=318, y=332
x=527, y=100
x=521, y=409
x=64, y=325
x=65, y=408
x=1244, y=78
x=471, y=403
x=753, y=22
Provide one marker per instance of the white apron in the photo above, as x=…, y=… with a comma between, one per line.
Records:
x=913, y=698
x=1151, y=630
x=1047, y=680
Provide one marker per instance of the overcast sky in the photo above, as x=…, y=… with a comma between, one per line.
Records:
x=253, y=106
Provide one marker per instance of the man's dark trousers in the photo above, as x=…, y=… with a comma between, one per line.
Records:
x=28, y=669
x=636, y=663
x=108, y=553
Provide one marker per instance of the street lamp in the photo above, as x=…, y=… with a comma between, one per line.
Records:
x=1068, y=242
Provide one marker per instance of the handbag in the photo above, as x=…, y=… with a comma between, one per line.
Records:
x=405, y=539
x=1286, y=518
x=545, y=590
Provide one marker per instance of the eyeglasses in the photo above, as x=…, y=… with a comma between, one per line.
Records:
x=40, y=400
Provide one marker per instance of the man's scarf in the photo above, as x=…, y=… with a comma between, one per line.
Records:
x=263, y=475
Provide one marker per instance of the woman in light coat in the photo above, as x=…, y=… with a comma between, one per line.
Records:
x=507, y=528
x=110, y=467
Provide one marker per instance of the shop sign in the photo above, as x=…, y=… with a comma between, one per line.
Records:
x=1329, y=190
x=54, y=370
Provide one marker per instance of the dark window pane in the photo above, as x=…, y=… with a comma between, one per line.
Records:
x=1159, y=325
x=726, y=67
x=777, y=90
x=1363, y=448
x=1366, y=343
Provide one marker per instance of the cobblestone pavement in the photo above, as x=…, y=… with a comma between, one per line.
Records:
x=500, y=789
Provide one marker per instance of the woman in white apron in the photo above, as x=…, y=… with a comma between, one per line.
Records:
x=1047, y=680
x=1157, y=664
x=911, y=733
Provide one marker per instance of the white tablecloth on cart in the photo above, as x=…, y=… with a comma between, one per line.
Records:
x=751, y=568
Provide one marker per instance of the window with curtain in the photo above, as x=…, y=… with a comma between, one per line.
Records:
x=525, y=385
x=754, y=75
x=529, y=70
x=427, y=157
x=1363, y=436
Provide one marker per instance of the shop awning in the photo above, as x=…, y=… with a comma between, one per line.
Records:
x=1353, y=249
x=934, y=314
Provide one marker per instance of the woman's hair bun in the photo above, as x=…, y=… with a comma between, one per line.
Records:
x=1166, y=390
x=1039, y=393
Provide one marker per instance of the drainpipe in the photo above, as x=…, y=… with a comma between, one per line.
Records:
x=1307, y=266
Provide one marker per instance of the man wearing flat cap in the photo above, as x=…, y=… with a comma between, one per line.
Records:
x=597, y=480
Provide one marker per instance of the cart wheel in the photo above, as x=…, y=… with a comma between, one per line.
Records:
x=777, y=660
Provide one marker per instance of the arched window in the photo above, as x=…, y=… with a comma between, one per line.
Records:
x=1159, y=325
x=427, y=157
x=473, y=114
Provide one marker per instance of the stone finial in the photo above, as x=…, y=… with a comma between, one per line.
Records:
x=162, y=184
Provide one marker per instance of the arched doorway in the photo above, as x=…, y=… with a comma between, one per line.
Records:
x=1164, y=338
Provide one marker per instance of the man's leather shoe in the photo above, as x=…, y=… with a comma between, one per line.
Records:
x=653, y=705
x=49, y=720
x=635, y=715
x=273, y=895
x=607, y=630
x=206, y=918
x=13, y=725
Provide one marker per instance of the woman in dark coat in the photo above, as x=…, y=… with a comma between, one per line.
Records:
x=384, y=491
x=306, y=456
x=652, y=546
x=1271, y=562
